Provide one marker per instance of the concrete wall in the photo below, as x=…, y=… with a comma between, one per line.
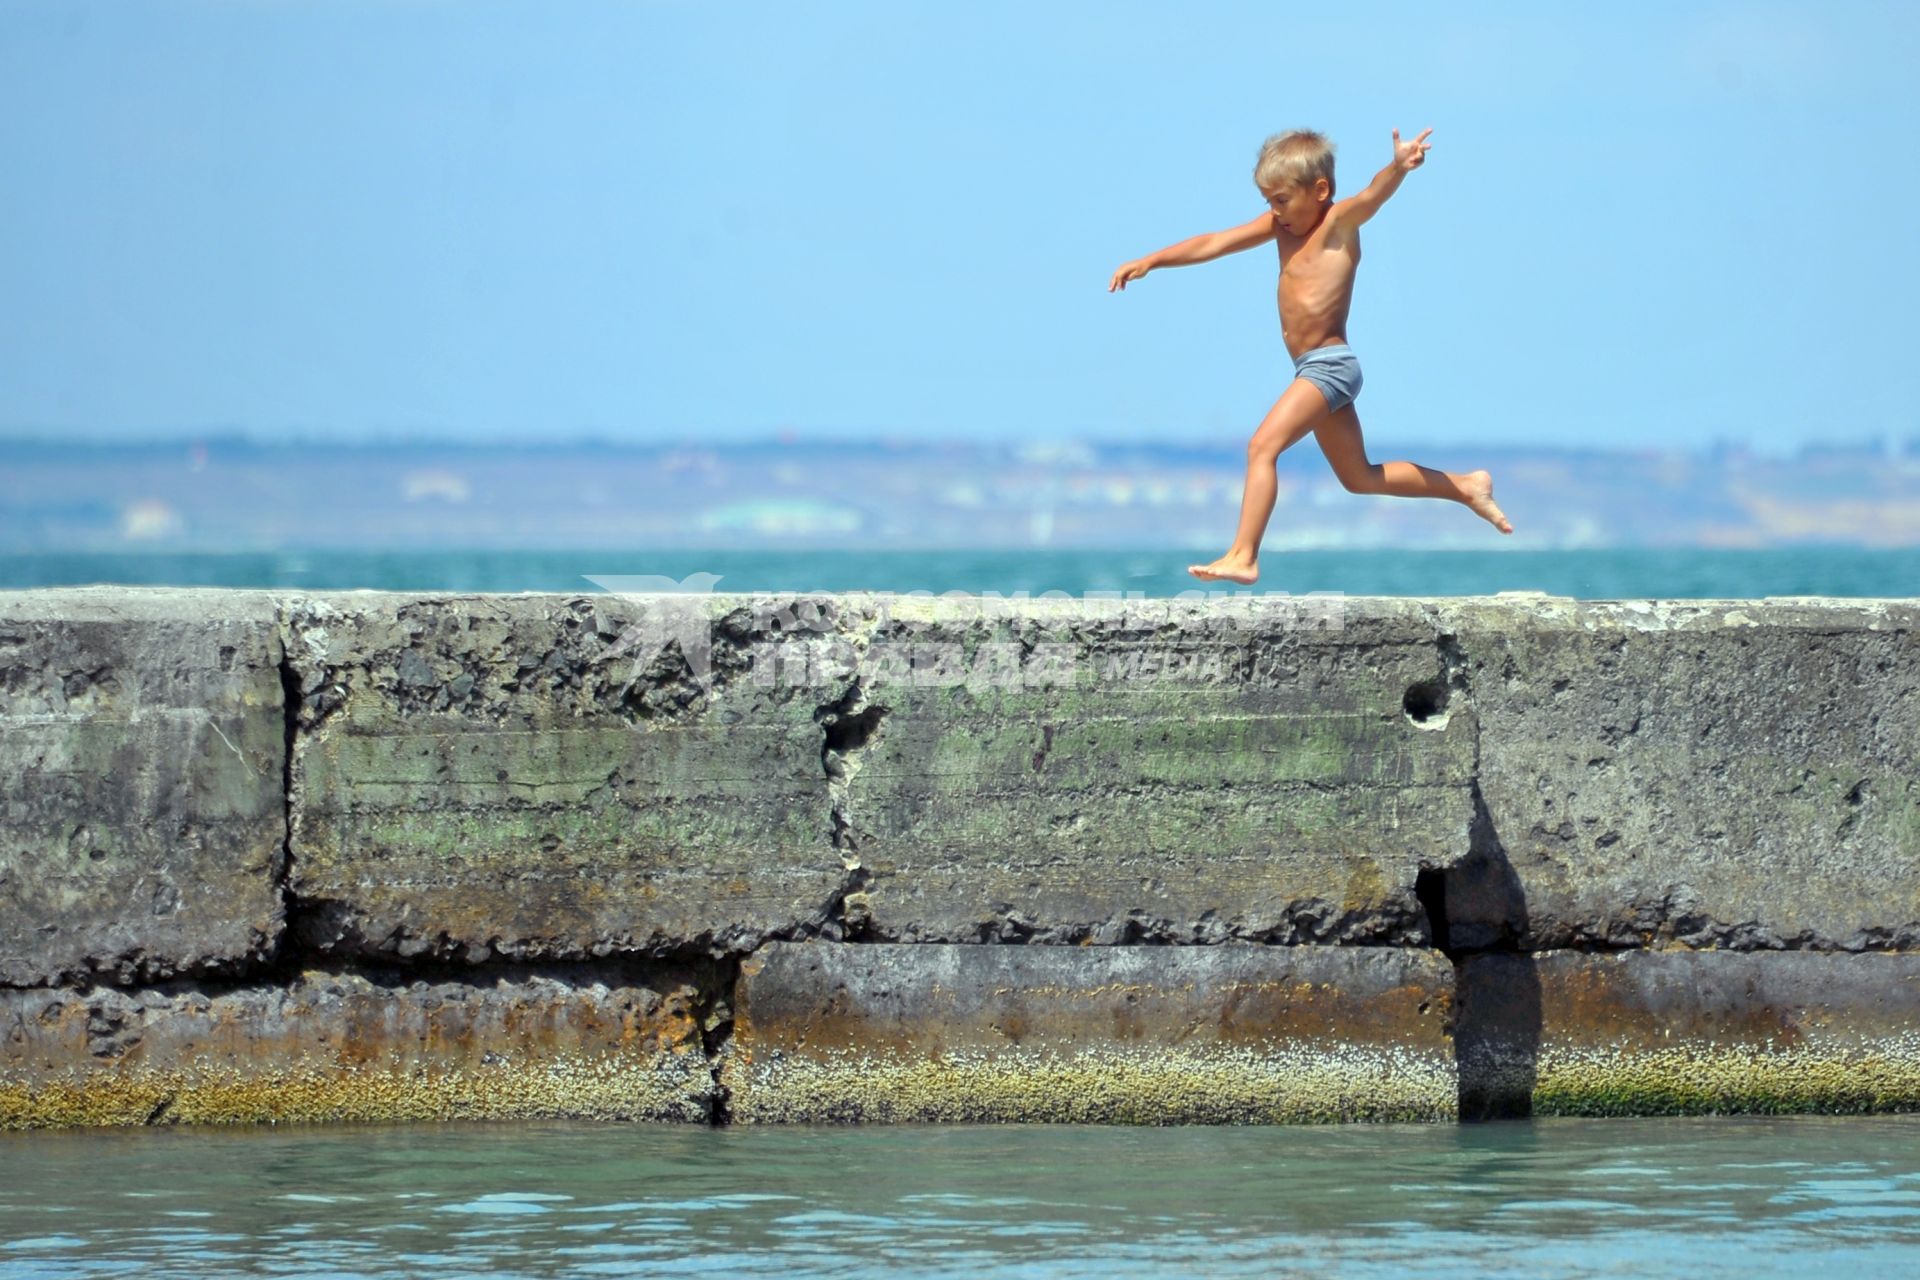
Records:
x=867, y=857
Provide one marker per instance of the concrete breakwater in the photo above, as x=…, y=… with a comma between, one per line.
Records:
x=711, y=857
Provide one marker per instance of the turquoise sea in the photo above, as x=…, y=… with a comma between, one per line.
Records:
x=1699, y=1197
x=1682, y=573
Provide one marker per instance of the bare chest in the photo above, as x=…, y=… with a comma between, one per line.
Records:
x=1318, y=260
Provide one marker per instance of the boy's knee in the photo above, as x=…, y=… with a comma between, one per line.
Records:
x=1366, y=481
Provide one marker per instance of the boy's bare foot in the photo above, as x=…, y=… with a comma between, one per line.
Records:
x=1229, y=568
x=1479, y=491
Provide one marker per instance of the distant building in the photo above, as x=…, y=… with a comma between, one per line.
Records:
x=420, y=486
x=150, y=520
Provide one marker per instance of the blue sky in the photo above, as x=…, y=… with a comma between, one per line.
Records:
x=1640, y=224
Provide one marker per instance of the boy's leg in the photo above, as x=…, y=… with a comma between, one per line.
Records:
x=1300, y=408
x=1346, y=449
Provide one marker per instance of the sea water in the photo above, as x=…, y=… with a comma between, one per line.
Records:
x=1678, y=573
x=1694, y=1197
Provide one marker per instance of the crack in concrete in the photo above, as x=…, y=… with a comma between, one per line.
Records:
x=290, y=697
x=849, y=723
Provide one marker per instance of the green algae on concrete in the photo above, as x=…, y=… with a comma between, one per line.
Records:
x=1281, y=793
x=1875, y=1077
x=1157, y=1084
x=1689, y=1032
x=142, y=770
x=1122, y=1035
x=482, y=776
x=496, y=776
x=340, y=1047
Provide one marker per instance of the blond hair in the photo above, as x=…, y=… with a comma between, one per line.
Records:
x=1294, y=158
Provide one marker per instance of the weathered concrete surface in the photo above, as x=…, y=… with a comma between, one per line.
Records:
x=497, y=775
x=530, y=778
x=548, y=776
x=1665, y=1032
x=336, y=1047
x=1140, y=1035
x=1737, y=774
x=1163, y=770
x=142, y=777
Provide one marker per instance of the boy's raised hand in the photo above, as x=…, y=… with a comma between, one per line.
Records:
x=1407, y=156
x=1128, y=271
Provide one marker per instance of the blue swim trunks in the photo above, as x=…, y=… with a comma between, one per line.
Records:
x=1335, y=370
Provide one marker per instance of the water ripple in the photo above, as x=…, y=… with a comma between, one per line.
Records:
x=1574, y=1198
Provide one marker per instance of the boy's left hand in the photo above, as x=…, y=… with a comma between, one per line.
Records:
x=1408, y=156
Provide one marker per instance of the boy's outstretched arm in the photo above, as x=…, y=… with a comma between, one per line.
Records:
x=1407, y=156
x=1202, y=248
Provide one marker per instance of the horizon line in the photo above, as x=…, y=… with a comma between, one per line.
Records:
x=1888, y=443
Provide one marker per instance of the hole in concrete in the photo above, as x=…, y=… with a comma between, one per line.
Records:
x=1426, y=703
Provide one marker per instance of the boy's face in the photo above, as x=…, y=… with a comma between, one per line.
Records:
x=1298, y=208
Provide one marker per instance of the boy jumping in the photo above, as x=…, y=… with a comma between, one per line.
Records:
x=1319, y=242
